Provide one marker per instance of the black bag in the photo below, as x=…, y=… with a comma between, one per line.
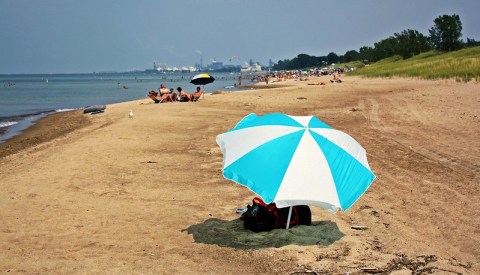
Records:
x=262, y=217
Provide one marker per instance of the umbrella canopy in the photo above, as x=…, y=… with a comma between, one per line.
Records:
x=202, y=79
x=295, y=160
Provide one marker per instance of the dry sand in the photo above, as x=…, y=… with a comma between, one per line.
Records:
x=114, y=195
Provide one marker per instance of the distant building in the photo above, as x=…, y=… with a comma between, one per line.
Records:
x=215, y=66
x=159, y=67
x=251, y=68
x=164, y=68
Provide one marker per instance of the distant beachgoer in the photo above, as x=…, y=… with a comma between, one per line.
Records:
x=154, y=96
x=165, y=94
x=183, y=96
x=336, y=79
x=240, y=78
x=173, y=94
x=196, y=96
x=163, y=89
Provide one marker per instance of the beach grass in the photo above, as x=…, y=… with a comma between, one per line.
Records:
x=352, y=64
x=462, y=65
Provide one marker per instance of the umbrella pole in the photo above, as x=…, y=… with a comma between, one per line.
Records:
x=289, y=216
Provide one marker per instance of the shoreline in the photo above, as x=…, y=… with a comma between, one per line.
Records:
x=44, y=130
x=121, y=194
x=26, y=121
x=61, y=93
x=30, y=135
x=16, y=124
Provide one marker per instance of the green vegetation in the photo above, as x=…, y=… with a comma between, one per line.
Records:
x=462, y=65
x=444, y=36
x=352, y=64
x=446, y=33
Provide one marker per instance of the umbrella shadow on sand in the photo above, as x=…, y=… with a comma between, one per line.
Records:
x=232, y=234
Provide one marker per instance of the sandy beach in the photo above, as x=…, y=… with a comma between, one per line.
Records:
x=106, y=194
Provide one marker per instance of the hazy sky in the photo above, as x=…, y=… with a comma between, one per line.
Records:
x=70, y=36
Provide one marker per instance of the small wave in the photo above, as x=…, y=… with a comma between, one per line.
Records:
x=64, y=110
x=7, y=123
x=26, y=115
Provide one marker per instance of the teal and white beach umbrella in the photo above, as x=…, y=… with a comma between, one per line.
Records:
x=295, y=160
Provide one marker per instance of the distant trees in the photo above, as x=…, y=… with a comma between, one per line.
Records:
x=366, y=54
x=446, y=33
x=410, y=43
x=332, y=58
x=301, y=61
x=385, y=48
x=351, y=56
x=304, y=61
x=472, y=43
x=406, y=44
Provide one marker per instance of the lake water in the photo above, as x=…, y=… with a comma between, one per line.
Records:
x=26, y=98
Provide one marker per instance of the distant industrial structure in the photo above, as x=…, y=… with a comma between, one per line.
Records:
x=251, y=68
x=213, y=66
x=165, y=68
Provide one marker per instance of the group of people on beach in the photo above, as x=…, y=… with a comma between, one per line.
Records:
x=297, y=74
x=169, y=95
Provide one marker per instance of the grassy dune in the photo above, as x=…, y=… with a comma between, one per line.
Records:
x=462, y=65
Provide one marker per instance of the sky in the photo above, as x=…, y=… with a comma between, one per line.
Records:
x=71, y=36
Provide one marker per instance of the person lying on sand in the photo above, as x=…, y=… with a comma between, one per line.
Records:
x=153, y=95
x=336, y=79
x=159, y=98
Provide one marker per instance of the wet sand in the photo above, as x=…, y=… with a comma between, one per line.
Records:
x=45, y=130
x=110, y=194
